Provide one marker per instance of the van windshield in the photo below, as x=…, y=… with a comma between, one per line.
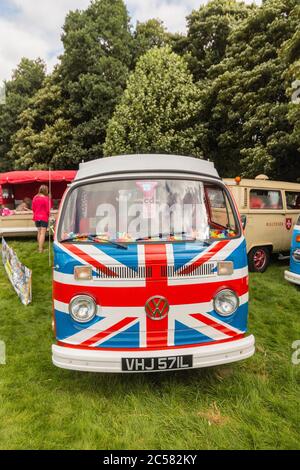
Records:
x=148, y=210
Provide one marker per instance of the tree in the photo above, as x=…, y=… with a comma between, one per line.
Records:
x=94, y=69
x=290, y=54
x=209, y=29
x=244, y=115
x=65, y=122
x=157, y=111
x=26, y=80
x=45, y=136
x=147, y=35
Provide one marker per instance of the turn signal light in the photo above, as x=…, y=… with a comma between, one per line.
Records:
x=238, y=179
x=225, y=268
x=298, y=238
x=83, y=273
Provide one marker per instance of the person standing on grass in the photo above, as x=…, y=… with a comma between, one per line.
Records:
x=41, y=206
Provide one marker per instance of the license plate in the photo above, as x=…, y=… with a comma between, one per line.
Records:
x=156, y=363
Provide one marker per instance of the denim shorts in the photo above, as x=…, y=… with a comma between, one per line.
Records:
x=41, y=224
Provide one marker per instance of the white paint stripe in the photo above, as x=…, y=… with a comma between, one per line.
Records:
x=69, y=280
x=141, y=255
x=200, y=255
x=117, y=312
x=143, y=332
x=98, y=255
x=206, y=330
x=170, y=255
x=110, y=336
x=69, y=253
x=221, y=255
x=297, y=227
x=123, y=312
x=88, y=333
x=238, y=274
x=177, y=312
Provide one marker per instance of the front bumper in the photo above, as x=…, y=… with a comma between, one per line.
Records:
x=292, y=277
x=111, y=361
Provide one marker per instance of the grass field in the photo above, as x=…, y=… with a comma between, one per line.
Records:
x=249, y=405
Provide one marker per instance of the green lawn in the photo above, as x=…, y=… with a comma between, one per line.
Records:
x=249, y=405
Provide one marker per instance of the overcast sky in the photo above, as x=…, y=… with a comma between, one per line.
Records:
x=32, y=28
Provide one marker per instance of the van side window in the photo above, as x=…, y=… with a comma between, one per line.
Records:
x=292, y=200
x=220, y=211
x=265, y=199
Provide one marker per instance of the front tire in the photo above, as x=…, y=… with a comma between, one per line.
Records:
x=259, y=259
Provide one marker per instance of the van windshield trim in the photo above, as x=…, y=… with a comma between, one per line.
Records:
x=196, y=177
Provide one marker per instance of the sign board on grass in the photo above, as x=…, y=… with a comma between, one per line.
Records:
x=19, y=275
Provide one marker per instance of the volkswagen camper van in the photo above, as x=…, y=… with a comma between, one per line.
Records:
x=269, y=209
x=294, y=274
x=150, y=270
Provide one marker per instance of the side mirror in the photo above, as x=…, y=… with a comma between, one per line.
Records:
x=244, y=221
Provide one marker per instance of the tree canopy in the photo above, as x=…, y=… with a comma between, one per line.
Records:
x=26, y=80
x=245, y=121
x=228, y=90
x=157, y=111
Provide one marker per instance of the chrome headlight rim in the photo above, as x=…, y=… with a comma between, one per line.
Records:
x=216, y=298
x=296, y=255
x=83, y=297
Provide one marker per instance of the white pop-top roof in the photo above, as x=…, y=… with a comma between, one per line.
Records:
x=145, y=163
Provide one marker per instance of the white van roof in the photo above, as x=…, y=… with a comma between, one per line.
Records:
x=146, y=163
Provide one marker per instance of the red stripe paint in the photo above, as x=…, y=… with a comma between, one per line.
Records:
x=157, y=331
x=208, y=255
x=103, y=334
x=171, y=348
x=213, y=324
x=138, y=296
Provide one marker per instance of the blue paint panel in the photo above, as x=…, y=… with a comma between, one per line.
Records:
x=66, y=327
x=127, y=339
x=185, y=335
x=65, y=261
x=186, y=252
x=295, y=265
x=239, y=256
x=239, y=320
x=127, y=257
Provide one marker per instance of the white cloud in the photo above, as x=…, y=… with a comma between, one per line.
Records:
x=172, y=12
x=32, y=28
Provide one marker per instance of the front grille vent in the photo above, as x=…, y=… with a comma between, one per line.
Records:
x=207, y=269
x=123, y=272
x=146, y=272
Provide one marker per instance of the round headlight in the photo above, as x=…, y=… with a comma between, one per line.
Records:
x=296, y=255
x=83, y=309
x=226, y=302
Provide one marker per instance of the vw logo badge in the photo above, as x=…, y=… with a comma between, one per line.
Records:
x=157, y=308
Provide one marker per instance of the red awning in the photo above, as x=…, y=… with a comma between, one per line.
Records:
x=21, y=177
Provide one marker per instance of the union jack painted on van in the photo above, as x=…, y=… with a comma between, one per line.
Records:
x=156, y=301
x=293, y=275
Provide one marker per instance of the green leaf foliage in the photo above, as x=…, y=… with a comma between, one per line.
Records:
x=245, y=113
x=26, y=80
x=157, y=111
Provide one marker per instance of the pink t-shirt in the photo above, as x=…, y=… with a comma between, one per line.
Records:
x=41, y=206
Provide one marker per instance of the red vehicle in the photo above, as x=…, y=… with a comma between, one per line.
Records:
x=19, y=186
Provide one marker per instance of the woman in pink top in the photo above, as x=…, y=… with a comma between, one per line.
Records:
x=41, y=206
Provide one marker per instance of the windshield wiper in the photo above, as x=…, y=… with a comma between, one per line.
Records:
x=164, y=235
x=94, y=238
